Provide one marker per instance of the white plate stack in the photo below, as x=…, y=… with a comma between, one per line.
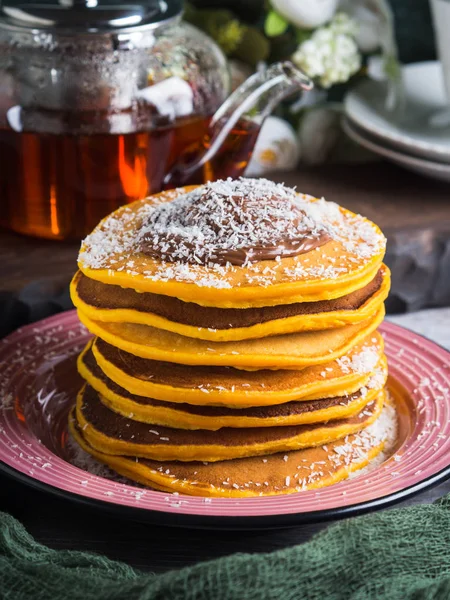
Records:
x=416, y=135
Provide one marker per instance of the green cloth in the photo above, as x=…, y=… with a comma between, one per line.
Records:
x=397, y=555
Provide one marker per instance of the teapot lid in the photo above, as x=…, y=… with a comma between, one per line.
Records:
x=79, y=16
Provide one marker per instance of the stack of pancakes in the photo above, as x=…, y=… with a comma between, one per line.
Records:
x=235, y=349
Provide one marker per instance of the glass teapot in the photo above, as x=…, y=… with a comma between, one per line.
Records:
x=103, y=102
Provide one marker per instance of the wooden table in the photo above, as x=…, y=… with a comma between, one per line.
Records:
x=407, y=207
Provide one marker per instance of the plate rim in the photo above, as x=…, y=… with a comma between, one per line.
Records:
x=223, y=522
x=403, y=140
x=231, y=522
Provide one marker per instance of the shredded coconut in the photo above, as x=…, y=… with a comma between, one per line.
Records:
x=363, y=362
x=222, y=216
x=385, y=428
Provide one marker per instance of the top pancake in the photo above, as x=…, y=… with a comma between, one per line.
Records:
x=348, y=262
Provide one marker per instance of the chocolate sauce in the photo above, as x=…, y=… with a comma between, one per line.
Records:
x=284, y=249
x=234, y=223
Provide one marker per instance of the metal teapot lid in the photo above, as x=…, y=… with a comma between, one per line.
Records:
x=88, y=15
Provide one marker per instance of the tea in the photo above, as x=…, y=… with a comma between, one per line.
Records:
x=61, y=185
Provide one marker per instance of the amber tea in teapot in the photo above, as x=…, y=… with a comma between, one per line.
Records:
x=105, y=102
x=60, y=186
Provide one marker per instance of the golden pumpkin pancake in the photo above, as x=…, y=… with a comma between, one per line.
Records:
x=112, y=303
x=112, y=433
x=224, y=386
x=235, y=244
x=282, y=473
x=189, y=416
x=289, y=351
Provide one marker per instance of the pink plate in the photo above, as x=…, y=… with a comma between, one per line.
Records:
x=37, y=384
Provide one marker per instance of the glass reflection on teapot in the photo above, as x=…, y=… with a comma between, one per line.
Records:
x=103, y=103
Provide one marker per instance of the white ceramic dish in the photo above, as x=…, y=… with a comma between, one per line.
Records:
x=410, y=128
x=428, y=168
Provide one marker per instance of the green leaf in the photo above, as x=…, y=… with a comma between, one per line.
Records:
x=253, y=48
x=275, y=24
x=392, y=68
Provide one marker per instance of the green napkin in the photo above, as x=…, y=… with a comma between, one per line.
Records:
x=396, y=554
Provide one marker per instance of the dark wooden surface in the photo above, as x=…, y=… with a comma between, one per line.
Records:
x=395, y=199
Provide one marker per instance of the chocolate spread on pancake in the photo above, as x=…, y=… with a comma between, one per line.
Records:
x=233, y=222
x=285, y=248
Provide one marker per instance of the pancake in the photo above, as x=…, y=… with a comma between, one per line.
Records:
x=111, y=433
x=289, y=351
x=236, y=351
x=295, y=471
x=112, y=303
x=348, y=261
x=189, y=416
x=224, y=386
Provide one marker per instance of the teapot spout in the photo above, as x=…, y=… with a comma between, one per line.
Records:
x=232, y=132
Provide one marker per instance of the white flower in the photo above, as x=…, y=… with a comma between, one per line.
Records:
x=306, y=14
x=330, y=55
x=369, y=29
x=318, y=133
x=276, y=149
x=375, y=23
